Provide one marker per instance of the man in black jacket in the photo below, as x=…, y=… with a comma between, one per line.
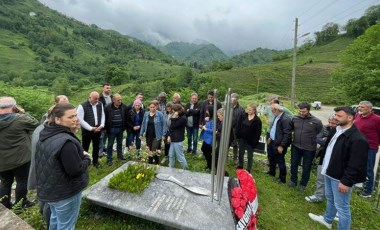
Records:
x=279, y=141
x=344, y=165
x=192, y=111
x=306, y=128
x=116, y=115
x=105, y=98
x=205, y=104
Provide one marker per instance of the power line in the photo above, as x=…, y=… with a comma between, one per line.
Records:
x=338, y=16
x=329, y=5
x=312, y=7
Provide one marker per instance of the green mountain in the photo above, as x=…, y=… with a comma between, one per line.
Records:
x=191, y=53
x=39, y=45
x=256, y=56
x=313, y=75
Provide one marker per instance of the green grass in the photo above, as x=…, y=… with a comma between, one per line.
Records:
x=280, y=207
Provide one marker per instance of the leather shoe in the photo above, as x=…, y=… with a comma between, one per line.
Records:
x=269, y=173
x=97, y=165
x=278, y=180
x=122, y=158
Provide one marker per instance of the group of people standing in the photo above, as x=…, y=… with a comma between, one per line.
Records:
x=56, y=163
x=347, y=151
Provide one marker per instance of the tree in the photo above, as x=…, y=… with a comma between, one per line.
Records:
x=61, y=86
x=329, y=33
x=373, y=14
x=355, y=28
x=359, y=76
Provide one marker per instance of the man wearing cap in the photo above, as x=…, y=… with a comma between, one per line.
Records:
x=16, y=128
x=162, y=102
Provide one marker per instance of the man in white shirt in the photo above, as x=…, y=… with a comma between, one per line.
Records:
x=92, y=119
x=344, y=165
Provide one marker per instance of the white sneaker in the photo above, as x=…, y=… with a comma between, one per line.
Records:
x=313, y=199
x=336, y=218
x=319, y=219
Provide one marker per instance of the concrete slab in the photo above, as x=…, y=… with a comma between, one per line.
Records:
x=167, y=203
x=10, y=221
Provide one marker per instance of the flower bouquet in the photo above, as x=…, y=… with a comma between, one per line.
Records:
x=242, y=194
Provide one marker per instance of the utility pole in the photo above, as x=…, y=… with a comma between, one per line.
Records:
x=258, y=82
x=292, y=97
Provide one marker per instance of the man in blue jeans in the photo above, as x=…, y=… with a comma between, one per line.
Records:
x=305, y=130
x=369, y=124
x=116, y=114
x=344, y=165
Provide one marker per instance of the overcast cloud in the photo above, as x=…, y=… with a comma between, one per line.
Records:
x=230, y=25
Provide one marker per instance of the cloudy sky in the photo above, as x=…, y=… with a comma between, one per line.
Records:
x=229, y=24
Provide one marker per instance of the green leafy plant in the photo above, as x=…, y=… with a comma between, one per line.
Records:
x=134, y=179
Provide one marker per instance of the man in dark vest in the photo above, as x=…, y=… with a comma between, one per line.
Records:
x=92, y=119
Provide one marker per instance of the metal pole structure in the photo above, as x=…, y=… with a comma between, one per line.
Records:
x=292, y=97
x=224, y=144
x=221, y=150
x=213, y=146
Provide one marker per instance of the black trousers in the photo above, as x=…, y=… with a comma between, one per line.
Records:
x=207, y=151
x=21, y=174
x=87, y=138
x=275, y=158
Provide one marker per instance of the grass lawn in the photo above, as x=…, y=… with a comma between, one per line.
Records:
x=280, y=207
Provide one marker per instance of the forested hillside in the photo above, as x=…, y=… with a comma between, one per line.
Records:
x=256, y=56
x=40, y=45
x=196, y=55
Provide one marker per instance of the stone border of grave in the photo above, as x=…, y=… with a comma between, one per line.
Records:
x=167, y=203
x=10, y=221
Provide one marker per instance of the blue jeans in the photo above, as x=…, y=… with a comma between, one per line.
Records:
x=192, y=138
x=64, y=213
x=118, y=134
x=296, y=156
x=176, y=151
x=370, y=165
x=134, y=137
x=337, y=202
x=102, y=142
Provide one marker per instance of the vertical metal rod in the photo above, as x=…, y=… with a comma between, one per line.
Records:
x=213, y=146
x=227, y=126
x=224, y=144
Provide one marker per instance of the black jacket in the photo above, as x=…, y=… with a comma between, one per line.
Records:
x=61, y=166
x=202, y=114
x=109, y=110
x=249, y=133
x=103, y=101
x=195, y=112
x=348, y=162
x=283, y=135
x=306, y=131
x=177, y=128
